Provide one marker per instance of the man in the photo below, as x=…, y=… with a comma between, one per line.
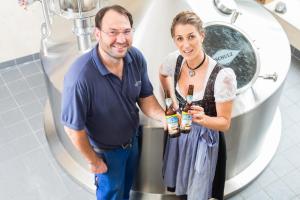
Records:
x=99, y=109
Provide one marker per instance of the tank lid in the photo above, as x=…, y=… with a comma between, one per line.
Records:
x=230, y=47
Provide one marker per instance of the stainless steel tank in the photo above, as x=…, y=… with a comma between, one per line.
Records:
x=259, y=53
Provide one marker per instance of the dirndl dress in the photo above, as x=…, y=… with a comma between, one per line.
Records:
x=189, y=162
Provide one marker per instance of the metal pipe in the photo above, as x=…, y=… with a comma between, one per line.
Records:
x=82, y=29
x=234, y=16
x=46, y=14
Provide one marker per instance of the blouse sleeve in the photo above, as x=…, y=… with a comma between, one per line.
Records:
x=225, y=85
x=168, y=66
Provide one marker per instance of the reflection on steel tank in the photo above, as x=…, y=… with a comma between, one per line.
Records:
x=239, y=35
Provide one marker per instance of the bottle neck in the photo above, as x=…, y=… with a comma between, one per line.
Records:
x=168, y=101
x=189, y=98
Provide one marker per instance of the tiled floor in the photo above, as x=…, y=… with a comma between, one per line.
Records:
x=29, y=172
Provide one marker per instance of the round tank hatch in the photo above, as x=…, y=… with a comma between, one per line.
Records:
x=230, y=47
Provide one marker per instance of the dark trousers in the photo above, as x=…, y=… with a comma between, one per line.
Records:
x=220, y=174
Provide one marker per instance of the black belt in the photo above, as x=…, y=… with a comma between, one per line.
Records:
x=126, y=145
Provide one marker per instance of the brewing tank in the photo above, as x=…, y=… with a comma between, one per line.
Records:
x=244, y=37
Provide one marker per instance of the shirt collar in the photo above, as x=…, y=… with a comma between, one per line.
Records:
x=100, y=66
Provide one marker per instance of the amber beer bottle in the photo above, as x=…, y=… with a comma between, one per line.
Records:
x=186, y=118
x=171, y=117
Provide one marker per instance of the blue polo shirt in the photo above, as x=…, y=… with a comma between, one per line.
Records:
x=96, y=100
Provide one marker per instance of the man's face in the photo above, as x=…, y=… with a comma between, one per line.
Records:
x=115, y=34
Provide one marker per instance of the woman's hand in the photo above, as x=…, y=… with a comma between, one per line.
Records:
x=25, y=3
x=198, y=115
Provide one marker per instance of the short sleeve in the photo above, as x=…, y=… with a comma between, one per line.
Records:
x=74, y=106
x=146, y=86
x=225, y=85
x=168, y=66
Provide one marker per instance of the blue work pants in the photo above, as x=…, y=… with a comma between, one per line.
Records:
x=122, y=164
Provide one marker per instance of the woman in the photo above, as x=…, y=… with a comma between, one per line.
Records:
x=190, y=160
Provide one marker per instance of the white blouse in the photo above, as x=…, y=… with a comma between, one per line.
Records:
x=225, y=85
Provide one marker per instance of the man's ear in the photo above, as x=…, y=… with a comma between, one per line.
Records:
x=97, y=33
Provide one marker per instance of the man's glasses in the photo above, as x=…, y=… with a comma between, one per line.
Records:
x=115, y=33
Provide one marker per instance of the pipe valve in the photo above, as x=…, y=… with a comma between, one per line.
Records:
x=273, y=76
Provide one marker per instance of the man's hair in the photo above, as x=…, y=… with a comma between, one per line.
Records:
x=187, y=17
x=100, y=14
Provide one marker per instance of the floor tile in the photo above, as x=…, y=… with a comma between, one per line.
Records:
x=14, y=132
x=32, y=109
x=250, y=190
x=280, y=165
x=5, y=136
x=11, y=75
x=292, y=155
x=4, y=92
x=29, y=194
x=25, y=144
x=43, y=101
x=267, y=177
x=40, y=91
x=18, y=86
x=19, y=129
x=35, y=159
x=35, y=80
x=293, y=93
x=236, y=197
x=7, y=104
x=292, y=180
x=285, y=102
x=292, y=77
x=13, y=169
x=7, y=152
x=40, y=134
x=28, y=69
x=1, y=81
x=279, y=191
x=259, y=195
x=36, y=122
x=12, y=117
x=296, y=198
x=26, y=97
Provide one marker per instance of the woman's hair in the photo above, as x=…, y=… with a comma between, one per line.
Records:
x=187, y=17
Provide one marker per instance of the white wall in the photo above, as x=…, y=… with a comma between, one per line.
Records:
x=19, y=29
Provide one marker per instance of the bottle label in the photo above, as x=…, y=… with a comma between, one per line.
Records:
x=172, y=121
x=189, y=98
x=186, y=121
x=168, y=102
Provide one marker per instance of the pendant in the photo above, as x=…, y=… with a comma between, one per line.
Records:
x=191, y=73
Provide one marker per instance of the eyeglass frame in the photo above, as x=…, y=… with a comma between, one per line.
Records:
x=114, y=32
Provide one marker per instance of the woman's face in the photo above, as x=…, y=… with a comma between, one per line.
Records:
x=188, y=40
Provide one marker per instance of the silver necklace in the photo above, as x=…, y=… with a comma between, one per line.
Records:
x=191, y=70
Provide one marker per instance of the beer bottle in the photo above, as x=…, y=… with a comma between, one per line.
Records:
x=186, y=118
x=171, y=117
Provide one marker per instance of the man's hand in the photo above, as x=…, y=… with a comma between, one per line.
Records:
x=98, y=167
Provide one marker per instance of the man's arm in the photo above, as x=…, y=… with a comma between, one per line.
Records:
x=151, y=108
x=81, y=142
